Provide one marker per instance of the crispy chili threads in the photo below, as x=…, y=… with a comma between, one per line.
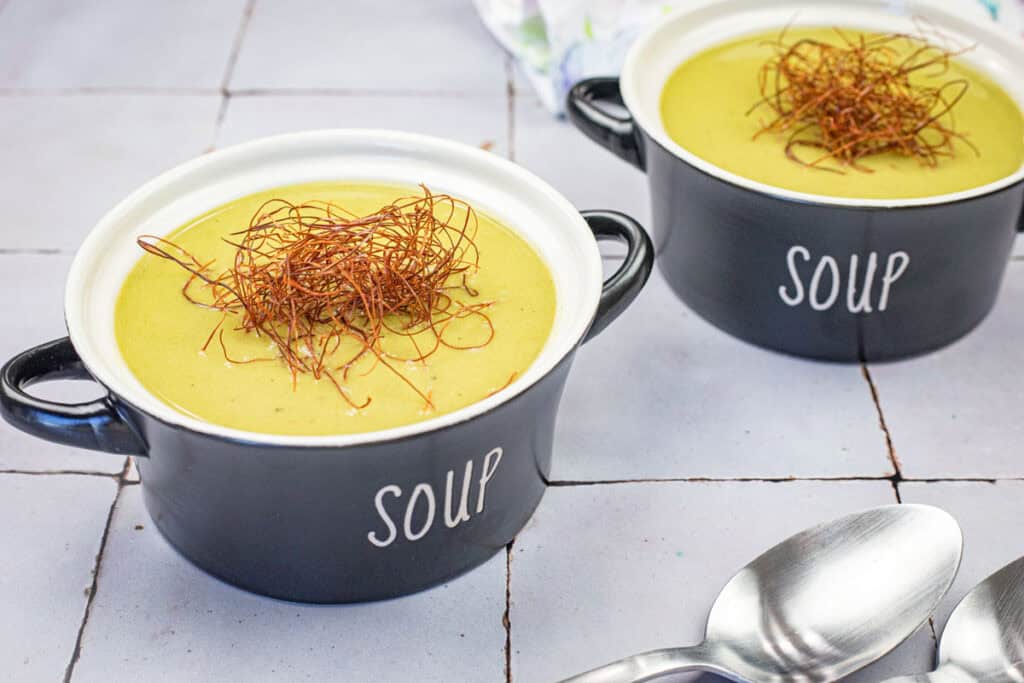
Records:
x=506, y=385
x=307, y=276
x=860, y=96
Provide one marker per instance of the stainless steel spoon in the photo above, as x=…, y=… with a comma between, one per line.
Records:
x=984, y=637
x=819, y=605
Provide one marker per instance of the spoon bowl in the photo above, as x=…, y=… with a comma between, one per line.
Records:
x=984, y=637
x=820, y=605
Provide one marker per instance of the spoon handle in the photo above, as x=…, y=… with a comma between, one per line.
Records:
x=648, y=665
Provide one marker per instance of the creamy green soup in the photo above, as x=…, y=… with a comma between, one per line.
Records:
x=706, y=103
x=161, y=334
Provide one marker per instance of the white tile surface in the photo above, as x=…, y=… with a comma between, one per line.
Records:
x=957, y=412
x=602, y=570
x=1018, y=247
x=116, y=43
x=50, y=536
x=589, y=175
x=662, y=394
x=36, y=315
x=67, y=159
x=439, y=46
x=990, y=516
x=605, y=571
x=478, y=121
x=158, y=618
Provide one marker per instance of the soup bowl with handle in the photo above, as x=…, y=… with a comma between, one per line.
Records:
x=331, y=518
x=811, y=275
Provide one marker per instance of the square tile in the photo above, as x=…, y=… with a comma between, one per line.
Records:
x=36, y=315
x=990, y=516
x=70, y=158
x=52, y=529
x=117, y=43
x=662, y=394
x=388, y=45
x=590, y=176
x=605, y=571
x=157, y=618
x=477, y=121
x=955, y=413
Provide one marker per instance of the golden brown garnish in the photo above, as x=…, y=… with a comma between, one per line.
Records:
x=308, y=275
x=861, y=96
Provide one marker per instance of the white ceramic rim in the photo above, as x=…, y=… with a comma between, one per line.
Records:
x=659, y=50
x=496, y=186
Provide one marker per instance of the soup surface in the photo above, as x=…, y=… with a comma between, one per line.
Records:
x=705, y=105
x=161, y=334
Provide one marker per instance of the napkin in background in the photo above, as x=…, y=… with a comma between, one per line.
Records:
x=555, y=43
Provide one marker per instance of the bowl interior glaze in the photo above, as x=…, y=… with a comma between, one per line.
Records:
x=492, y=184
x=684, y=33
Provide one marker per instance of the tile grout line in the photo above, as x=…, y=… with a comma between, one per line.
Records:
x=218, y=122
x=896, y=491
x=510, y=110
x=77, y=652
x=145, y=91
x=710, y=480
x=865, y=372
x=236, y=46
x=244, y=92
x=32, y=251
x=506, y=617
x=931, y=619
x=107, y=90
x=935, y=634
x=953, y=480
x=77, y=473
x=779, y=480
x=229, y=70
x=568, y=483
x=362, y=92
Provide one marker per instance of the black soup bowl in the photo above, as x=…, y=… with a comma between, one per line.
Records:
x=811, y=275
x=331, y=518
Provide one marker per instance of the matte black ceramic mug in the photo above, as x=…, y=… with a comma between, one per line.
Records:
x=331, y=518
x=815, y=276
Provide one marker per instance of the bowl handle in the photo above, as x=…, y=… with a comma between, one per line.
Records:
x=615, y=132
x=627, y=281
x=94, y=424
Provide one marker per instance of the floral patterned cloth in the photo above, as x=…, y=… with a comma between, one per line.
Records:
x=558, y=42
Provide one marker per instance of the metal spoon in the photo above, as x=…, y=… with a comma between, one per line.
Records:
x=819, y=605
x=984, y=637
